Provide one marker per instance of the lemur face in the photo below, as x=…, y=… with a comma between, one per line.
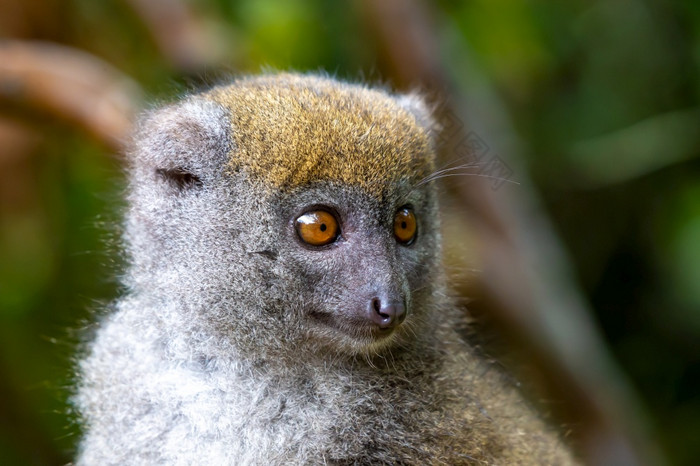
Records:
x=380, y=307
x=362, y=263
x=309, y=208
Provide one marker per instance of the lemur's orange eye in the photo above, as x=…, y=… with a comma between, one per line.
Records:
x=317, y=227
x=405, y=226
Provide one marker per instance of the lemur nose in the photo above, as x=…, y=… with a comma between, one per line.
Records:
x=386, y=314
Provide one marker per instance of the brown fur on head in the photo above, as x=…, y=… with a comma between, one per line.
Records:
x=302, y=129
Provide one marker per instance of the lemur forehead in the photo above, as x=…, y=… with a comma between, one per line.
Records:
x=291, y=130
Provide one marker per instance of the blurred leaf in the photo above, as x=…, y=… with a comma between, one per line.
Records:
x=27, y=262
x=283, y=34
x=679, y=255
x=685, y=257
x=637, y=150
x=504, y=36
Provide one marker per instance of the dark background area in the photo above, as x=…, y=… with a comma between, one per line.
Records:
x=602, y=97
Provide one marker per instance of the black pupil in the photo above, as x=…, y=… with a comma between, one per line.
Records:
x=403, y=225
x=323, y=227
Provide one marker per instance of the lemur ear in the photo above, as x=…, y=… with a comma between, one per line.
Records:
x=416, y=105
x=185, y=144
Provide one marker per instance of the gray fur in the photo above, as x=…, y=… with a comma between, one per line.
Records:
x=210, y=357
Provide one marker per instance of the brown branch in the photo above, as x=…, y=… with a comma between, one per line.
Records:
x=17, y=141
x=72, y=85
x=525, y=280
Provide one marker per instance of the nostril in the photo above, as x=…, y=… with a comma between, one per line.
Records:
x=387, y=314
x=377, y=306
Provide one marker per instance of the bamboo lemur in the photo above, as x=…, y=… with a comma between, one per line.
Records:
x=286, y=302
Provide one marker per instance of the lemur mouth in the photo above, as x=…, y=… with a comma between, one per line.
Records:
x=362, y=330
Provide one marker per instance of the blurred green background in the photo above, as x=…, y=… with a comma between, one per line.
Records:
x=603, y=96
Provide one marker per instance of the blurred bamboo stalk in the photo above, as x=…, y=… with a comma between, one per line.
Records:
x=526, y=279
x=71, y=85
x=179, y=35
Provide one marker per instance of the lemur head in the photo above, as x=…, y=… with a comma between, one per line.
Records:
x=283, y=212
